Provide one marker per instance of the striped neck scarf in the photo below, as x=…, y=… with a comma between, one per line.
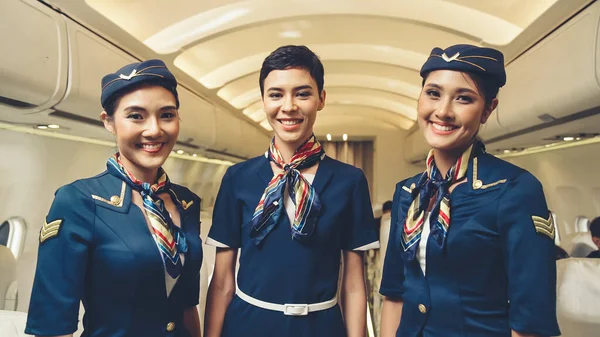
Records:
x=432, y=183
x=306, y=201
x=169, y=238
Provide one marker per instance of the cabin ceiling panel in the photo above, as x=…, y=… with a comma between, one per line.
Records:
x=235, y=45
x=349, y=52
x=372, y=53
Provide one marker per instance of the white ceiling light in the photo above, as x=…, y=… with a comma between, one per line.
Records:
x=42, y=127
x=329, y=137
x=54, y=126
x=290, y=34
x=345, y=137
x=180, y=152
x=568, y=139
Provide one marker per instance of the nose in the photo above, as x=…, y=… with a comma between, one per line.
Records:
x=444, y=109
x=153, y=129
x=288, y=104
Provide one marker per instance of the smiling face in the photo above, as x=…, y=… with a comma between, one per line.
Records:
x=450, y=110
x=291, y=100
x=146, y=125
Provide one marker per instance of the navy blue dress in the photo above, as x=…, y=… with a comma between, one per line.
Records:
x=497, y=271
x=283, y=270
x=97, y=248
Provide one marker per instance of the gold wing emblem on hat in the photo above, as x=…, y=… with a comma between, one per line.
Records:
x=450, y=59
x=130, y=76
x=544, y=226
x=50, y=229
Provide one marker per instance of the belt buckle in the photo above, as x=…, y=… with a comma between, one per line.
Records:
x=295, y=309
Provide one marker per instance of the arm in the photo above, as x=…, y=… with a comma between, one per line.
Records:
x=390, y=316
x=527, y=236
x=354, y=295
x=220, y=291
x=191, y=320
x=392, y=280
x=62, y=264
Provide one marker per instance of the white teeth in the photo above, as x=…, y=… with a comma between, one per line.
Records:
x=290, y=122
x=151, y=146
x=442, y=127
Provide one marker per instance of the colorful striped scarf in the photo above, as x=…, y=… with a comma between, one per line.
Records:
x=306, y=201
x=169, y=238
x=431, y=183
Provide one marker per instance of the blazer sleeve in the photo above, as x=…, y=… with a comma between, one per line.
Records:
x=360, y=234
x=191, y=284
x=63, y=253
x=226, y=228
x=392, y=280
x=527, y=235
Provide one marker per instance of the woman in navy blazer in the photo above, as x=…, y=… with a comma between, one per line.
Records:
x=125, y=242
x=295, y=214
x=471, y=249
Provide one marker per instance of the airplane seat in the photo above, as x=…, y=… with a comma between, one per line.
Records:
x=578, y=244
x=12, y=323
x=582, y=224
x=578, y=295
x=8, y=279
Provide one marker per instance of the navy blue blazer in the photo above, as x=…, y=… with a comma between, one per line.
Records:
x=283, y=270
x=96, y=247
x=497, y=271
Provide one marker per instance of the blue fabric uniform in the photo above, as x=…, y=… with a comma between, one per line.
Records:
x=98, y=249
x=282, y=270
x=497, y=271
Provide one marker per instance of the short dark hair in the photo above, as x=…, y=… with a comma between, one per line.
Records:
x=291, y=56
x=113, y=102
x=595, y=227
x=387, y=206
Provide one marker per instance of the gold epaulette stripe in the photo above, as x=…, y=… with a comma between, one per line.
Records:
x=478, y=184
x=407, y=189
x=115, y=200
x=544, y=226
x=50, y=230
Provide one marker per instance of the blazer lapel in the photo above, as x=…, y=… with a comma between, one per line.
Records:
x=323, y=175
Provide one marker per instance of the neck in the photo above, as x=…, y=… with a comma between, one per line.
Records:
x=287, y=149
x=147, y=175
x=444, y=160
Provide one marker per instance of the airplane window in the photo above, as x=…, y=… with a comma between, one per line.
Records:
x=4, y=233
x=12, y=235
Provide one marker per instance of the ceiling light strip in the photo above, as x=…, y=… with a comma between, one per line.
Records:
x=550, y=147
x=53, y=134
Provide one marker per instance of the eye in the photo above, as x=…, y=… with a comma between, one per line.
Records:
x=274, y=95
x=304, y=94
x=433, y=93
x=135, y=116
x=168, y=115
x=464, y=99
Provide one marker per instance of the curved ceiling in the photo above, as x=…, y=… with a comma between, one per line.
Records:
x=371, y=53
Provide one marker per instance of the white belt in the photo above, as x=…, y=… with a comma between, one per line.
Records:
x=287, y=309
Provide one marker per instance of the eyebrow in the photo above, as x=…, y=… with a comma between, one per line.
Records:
x=459, y=90
x=298, y=88
x=137, y=108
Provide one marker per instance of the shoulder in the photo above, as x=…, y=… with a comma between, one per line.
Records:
x=183, y=193
x=84, y=188
x=341, y=169
x=250, y=165
x=407, y=184
x=494, y=167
